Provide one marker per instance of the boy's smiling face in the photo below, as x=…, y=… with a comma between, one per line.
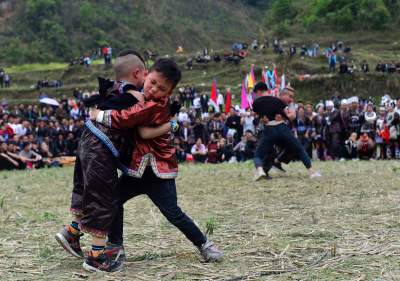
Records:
x=156, y=86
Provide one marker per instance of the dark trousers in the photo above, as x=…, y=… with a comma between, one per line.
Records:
x=334, y=145
x=278, y=135
x=95, y=180
x=163, y=194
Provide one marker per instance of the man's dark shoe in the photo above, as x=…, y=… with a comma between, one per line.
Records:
x=70, y=242
x=101, y=263
x=115, y=252
x=278, y=165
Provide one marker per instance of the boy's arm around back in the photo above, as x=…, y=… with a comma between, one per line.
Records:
x=142, y=113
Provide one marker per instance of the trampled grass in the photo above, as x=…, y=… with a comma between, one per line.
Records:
x=342, y=227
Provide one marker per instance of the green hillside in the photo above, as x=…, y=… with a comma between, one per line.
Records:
x=55, y=30
x=50, y=32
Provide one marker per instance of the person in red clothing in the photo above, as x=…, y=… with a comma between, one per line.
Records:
x=153, y=167
x=212, y=149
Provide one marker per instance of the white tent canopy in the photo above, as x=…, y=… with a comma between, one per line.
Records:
x=49, y=101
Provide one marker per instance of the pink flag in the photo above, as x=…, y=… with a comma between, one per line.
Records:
x=244, y=103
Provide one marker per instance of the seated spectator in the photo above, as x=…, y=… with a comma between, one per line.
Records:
x=350, y=147
x=224, y=151
x=240, y=149
x=251, y=143
x=199, y=151
x=60, y=146
x=245, y=149
x=180, y=150
x=71, y=144
x=31, y=158
x=6, y=161
x=365, y=146
x=48, y=157
x=212, y=149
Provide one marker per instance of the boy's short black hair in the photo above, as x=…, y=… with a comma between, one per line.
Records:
x=169, y=69
x=126, y=52
x=260, y=86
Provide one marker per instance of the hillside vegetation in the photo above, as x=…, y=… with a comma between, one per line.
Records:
x=49, y=30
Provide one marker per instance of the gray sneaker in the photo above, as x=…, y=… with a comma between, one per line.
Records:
x=209, y=252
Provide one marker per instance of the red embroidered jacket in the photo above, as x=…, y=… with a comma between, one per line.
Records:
x=158, y=152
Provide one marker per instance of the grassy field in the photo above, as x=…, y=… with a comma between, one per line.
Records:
x=343, y=227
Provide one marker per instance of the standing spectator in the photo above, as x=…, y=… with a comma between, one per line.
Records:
x=380, y=142
x=370, y=120
x=216, y=125
x=355, y=116
x=303, y=129
x=204, y=99
x=247, y=122
x=365, y=67
x=200, y=131
x=7, y=80
x=185, y=135
x=220, y=102
x=394, y=131
x=319, y=132
x=332, y=62
x=197, y=105
x=333, y=130
x=233, y=123
x=2, y=77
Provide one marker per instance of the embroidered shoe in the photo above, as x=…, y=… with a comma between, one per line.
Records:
x=101, y=263
x=210, y=252
x=70, y=242
x=115, y=252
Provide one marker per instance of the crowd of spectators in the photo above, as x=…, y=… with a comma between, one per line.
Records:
x=35, y=136
x=337, y=129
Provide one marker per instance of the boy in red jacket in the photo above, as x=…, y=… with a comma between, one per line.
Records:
x=153, y=167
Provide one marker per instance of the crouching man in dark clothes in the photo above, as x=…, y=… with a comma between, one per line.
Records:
x=276, y=132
